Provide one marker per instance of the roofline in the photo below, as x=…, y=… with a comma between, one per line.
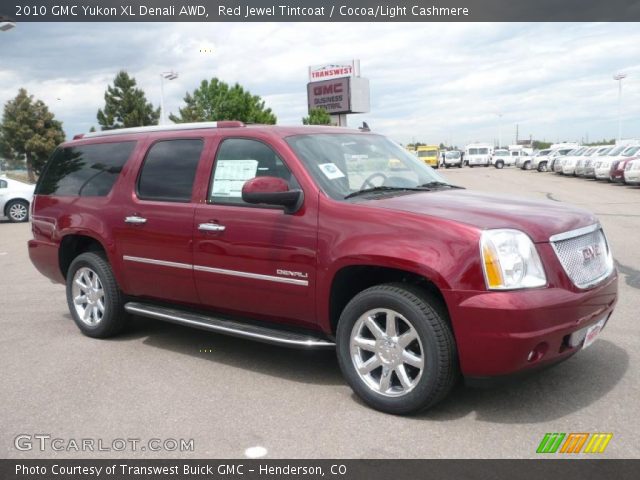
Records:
x=161, y=128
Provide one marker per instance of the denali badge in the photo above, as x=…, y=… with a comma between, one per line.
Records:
x=289, y=273
x=590, y=253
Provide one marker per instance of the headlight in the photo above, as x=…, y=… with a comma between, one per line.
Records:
x=510, y=260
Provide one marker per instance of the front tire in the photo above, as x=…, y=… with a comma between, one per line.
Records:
x=396, y=350
x=526, y=166
x=93, y=296
x=17, y=211
x=499, y=165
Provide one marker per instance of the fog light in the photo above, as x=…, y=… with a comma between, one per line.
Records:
x=538, y=352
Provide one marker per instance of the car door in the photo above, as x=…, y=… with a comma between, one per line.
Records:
x=254, y=260
x=154, y=240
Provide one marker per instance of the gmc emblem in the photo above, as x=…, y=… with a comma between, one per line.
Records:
x=590, y=253
x=328, y=89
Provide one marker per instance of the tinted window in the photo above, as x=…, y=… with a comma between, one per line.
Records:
x=3, y=184
x=239, y=160
x=87, y=170
x=169, y=170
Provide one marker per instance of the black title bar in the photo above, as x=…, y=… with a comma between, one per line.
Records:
x=318, y=10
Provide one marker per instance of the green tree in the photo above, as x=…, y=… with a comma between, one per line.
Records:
x=126, y=106
x=215, y=100
x=29, y=132
x=317, y=116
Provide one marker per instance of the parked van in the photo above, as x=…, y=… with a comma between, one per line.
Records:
x=478, y=154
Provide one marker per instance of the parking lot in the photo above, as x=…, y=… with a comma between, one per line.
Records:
x=165, y=381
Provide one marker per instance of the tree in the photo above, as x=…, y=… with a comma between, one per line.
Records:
x=30, y=132
x=215, y=100
x=317, y=116
x=126, y=106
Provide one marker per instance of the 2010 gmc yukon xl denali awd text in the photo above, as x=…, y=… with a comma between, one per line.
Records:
x=306, y=237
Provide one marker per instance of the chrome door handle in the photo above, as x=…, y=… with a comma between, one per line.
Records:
x=135, y=220
x=211, y=227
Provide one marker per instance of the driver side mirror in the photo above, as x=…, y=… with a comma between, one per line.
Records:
x=272, y=191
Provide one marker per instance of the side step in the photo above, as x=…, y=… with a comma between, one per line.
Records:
x=228, y=327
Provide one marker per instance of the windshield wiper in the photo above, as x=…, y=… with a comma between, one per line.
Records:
x=439, y=184
x=383, y=188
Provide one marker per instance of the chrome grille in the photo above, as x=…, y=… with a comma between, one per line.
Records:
x=584, y=255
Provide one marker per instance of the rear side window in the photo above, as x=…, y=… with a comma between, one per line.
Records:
x=169, y=170
x=86, y=171
x=3, y=184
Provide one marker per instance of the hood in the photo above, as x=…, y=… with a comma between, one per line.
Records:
x=540, y=219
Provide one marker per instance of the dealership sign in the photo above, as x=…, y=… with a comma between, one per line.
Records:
x=332, y=95
x=334, y=70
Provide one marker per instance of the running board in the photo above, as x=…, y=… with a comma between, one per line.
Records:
x=229, y=327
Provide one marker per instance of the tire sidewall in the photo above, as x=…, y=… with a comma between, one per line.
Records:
x=112, y=302
x=421, y=395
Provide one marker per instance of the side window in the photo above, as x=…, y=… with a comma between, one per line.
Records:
x=3, y=184
x=169, y=170
x=86, y=170
x=239, y=160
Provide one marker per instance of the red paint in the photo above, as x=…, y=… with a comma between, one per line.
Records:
x=432, y=234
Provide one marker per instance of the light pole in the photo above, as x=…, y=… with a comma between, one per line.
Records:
x=619, y=77
x=499, y=130
x=169, y=76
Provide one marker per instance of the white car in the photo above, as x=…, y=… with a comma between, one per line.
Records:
x=603, y=166
x=541, y=163
x=453, y=158
x=502, y=158
x=15, y=199
x=568, y=165
x=632, y=173
x=541, y=156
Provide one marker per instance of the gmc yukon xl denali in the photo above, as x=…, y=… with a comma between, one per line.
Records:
x=305, y=237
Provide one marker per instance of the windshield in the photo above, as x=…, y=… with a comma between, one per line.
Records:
x=452, y=155
x=630, y=151
x=604, y=151
x=501, y=153
x=426, y=153
x=542, y=152
x=618, y=150
x=345, y=163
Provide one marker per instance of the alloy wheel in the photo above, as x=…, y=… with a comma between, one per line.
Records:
x=386, y=352
x=88, y=296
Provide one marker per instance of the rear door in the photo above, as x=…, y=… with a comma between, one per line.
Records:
x=154, y=239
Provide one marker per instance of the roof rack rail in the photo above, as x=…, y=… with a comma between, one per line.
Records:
x=165, y=128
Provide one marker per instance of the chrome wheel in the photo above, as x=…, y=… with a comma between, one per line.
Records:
x=18, y=212
x=88, y=296
x=386, y=352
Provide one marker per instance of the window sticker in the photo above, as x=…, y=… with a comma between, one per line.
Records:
x=231, y=175
x=331, y=171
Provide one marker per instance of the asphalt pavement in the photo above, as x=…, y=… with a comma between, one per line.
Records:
x=230, y=398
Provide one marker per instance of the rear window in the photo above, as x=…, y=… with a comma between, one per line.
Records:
x=86, y=170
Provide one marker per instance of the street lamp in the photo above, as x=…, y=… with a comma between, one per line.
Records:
x=6, y=26
x=619, y=77
x=169, y=76
x=499, y=130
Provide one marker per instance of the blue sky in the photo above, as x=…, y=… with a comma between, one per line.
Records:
x=433, y=82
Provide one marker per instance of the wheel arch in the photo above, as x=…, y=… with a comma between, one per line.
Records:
x=74, y=244
x=352, y=279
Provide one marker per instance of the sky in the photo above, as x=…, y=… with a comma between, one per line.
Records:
x=454, y=83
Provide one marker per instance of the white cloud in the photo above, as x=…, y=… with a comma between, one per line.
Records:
x=431, y=81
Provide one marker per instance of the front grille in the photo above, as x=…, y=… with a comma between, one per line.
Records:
x=584, y=255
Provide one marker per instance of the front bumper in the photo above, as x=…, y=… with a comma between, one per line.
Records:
x=496, y=332
x=632, y=177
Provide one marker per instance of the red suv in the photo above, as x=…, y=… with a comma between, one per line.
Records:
x=320, y=237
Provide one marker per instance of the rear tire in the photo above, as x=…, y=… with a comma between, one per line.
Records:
x=526, y=166
x=499, y=164
x=93, y=296
x=17, y=211
x=396, y=349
